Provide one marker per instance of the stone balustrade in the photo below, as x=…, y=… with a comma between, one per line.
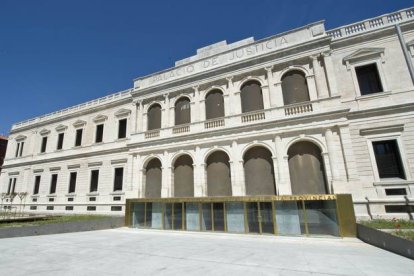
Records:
x=181, y=129
x=251, y=117
x=152, y=134
x=298, y=109
x=214, y=123
x=371, y=24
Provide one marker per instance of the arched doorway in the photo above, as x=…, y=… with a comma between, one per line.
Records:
x=154, y=117
x=183, y=177
x=251, y=96
x=182, y=111
x=306, y=169
x=294, y=87
x=214, y=104
x=153, y=179
x=218, y=174
x=259, y=172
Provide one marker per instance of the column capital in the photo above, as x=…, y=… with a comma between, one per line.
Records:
x=326, y=53
x=269, y=69
x=166, y=95
x=230, y=78
x=195, y=87
x=314, y=57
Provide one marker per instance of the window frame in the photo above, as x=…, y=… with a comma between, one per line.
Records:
x=34, y=184
x=96, y=132
x=123, y=179
x=44, y=138
x=81, y=137
x=51, y=182
x=119, y=128
x=90, y=180
x=71, y=172
x=58, y=140
x=386, y=137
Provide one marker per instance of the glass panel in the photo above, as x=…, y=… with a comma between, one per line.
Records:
x=206, y=217
x=288, y=218
x=218, y=216
x=138, y=215
x=148, y=214
x=235, y=217
x=266, y=217
x=321, y=216
x=252, y=217
x=156, y=216
x=178, y=219
x=192, y=216
x=168, y=216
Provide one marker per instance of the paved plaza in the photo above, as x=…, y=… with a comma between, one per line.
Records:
x=147, y=252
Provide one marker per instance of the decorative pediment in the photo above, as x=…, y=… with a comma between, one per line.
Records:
x=61, y=128
x=122, y=112
x=364, y=53
x=100, y=118
x=44, y=132
x=20, y=137
x=79, y=123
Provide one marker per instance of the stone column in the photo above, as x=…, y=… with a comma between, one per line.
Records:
x=202, y=107
x=320, y=85
x=139, y=116
x=131, y=167
x=134, y=116
x=278, y=94
x=310, y=80
x=167, y=189
x=141, y=184
x=172, y=112
x=276, y=173
x=330, y=73
x=144, y=119
x=349, y=156
x=282, y=183
x=235, y=101
x=195, y=115
x=270, y=84
x=331, y=153
x=165, y=111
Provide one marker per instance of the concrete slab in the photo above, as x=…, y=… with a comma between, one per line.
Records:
x=148, y=252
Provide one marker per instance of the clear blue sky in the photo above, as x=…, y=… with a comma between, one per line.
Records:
x=55, y=54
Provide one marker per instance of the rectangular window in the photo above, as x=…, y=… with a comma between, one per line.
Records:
x=99, y=133
x=122, y=128
x=53, y=183
x=368, y=79
x=10, y=184
x=44, y=144
x=72, y=182
x=94, y=181
x=78, y=140
x=36, y=185
x=13, y=187
x=387, y=156
x=60, y=141
x=118, y=179
x=19, y=149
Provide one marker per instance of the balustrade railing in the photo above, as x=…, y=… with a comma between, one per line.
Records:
x=298, y=109
x=152, y=134
x=251, y=117
x=181, y=129
x=214, y=123
x=371, y=24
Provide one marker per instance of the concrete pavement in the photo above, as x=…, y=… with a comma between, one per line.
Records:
x=149, y=252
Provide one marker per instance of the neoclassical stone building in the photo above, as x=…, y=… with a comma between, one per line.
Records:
x=307, y=111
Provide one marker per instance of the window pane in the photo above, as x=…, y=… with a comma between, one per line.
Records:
x=17, y=150
x=218, y=216
x=99, y=133
x=72, y=182
x=288, y=218
x=94, y=180
x=53, y=184
x=154, y=215
x=252, y=217
x=37, y=185
x=321, y=217
x=192, y=216
x=387, y=156
x=119, y=175
x=235, y=217
x=294, y=88
x=214, y=104
x=44, y=143
x=122, y=128
x=138, y=215
x=154, y=117
x=206, y=223
x=266, y=215
x=178, y=212
x=251, y=97
x=182, y=112
x=168, y=216
x=60, y=141
x=78, y=140
x=368, y=79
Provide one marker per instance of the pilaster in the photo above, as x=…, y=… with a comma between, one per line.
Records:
x=330, y=73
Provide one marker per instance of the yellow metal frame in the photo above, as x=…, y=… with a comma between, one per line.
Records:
x=343, y=203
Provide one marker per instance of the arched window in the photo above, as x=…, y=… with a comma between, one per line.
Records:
x=306, y=169
x=258, y=172
x=214, y=104
x=294, y=87
x=251, y=96
x=153, y=179
x=182, y=111
x=183, y=177
x=218, y=174
x=154, y=117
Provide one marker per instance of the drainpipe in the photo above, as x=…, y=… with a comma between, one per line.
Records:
x=406, y=54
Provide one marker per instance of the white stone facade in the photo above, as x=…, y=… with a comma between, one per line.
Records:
x=338, y=118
